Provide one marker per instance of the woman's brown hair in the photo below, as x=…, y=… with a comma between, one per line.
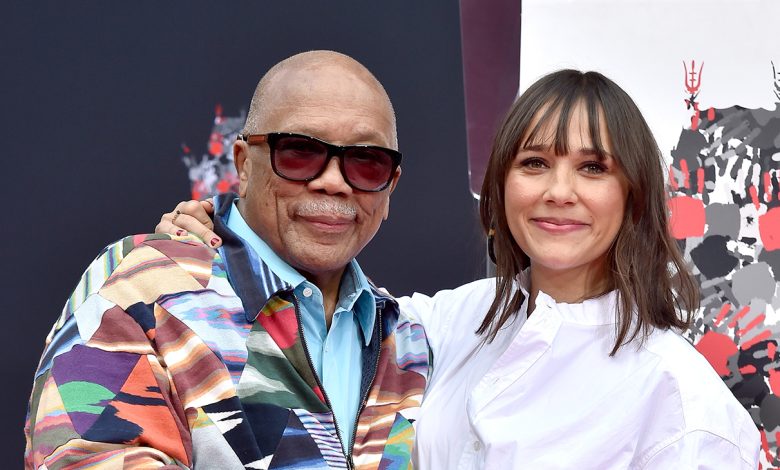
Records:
x=646, y=266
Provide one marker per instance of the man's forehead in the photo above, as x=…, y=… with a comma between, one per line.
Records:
x=335, y=112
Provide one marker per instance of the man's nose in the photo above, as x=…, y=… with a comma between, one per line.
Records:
x=331, y=181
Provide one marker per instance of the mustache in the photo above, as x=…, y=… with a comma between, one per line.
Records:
x=326, y=206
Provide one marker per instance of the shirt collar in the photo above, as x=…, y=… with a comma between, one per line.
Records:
x=354, y=293
x=599, y=310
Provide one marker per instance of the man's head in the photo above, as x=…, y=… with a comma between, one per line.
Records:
x=316, y=226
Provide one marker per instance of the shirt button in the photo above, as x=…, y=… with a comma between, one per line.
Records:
x=477, y=446
x=307, y=292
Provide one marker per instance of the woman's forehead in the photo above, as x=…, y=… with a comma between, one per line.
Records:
x=558, y=131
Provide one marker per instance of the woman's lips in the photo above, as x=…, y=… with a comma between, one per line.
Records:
x=558, y=225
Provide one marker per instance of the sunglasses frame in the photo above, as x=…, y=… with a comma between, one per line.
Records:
x=332, y=151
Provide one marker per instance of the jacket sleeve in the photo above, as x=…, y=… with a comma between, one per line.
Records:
x=101, y=397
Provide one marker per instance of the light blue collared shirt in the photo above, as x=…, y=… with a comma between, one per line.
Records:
x=337, y=354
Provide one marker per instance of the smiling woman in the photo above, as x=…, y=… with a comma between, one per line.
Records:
x=571, y=357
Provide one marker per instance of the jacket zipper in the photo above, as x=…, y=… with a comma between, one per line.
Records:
x=350, y=462
x=348, y=456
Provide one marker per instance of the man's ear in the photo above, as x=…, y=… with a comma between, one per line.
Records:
x=395, y=180
x=243, y=165
x=390, y=191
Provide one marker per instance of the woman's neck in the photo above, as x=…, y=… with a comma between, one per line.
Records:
x=569, y=286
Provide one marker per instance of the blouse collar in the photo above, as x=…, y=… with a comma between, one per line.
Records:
x=599, y=310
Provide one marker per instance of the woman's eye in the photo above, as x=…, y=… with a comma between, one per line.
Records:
x=534, y=163
x=594, y=168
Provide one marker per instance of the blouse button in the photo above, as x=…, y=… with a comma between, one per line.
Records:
x=477, y=446
x=307, y=292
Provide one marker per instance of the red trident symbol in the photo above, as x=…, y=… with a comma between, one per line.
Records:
x=692, y=82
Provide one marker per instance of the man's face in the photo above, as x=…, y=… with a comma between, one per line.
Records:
x=318, y=226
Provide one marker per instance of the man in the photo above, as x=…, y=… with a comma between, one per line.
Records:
x=273, y=351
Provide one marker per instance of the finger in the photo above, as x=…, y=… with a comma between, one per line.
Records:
x=196, y=210
x=197, y=228
x=208, y=206
x=167, y=227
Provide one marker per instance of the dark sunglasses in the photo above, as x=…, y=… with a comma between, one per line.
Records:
x=297, y=157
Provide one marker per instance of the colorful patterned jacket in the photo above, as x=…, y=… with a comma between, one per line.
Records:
x=170, y=353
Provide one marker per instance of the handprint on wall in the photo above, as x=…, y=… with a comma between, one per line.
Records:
x=213, y=172
x=725, y=212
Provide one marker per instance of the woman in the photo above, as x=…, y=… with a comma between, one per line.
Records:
x=571, y=356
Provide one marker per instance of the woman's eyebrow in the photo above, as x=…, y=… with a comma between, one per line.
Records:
x=601, y=155
x=536, y=148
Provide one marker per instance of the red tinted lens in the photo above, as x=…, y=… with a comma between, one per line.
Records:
x=367, y=169
x=299, y=158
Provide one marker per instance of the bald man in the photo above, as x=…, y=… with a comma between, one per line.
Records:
x=273, y=351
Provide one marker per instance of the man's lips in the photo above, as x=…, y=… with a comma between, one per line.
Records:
x=329, y=222
x=558, y=225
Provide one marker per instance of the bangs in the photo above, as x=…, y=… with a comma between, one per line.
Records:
x=553, y=118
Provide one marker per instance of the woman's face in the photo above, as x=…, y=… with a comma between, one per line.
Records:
x=565, y=211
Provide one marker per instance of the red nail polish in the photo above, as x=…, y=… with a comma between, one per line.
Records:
x=179, y=233
x=214, y=241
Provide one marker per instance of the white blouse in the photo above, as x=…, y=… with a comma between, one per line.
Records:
x=547, y=395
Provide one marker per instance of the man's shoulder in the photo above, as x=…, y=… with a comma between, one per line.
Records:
x=150, y=259
x=133, y=249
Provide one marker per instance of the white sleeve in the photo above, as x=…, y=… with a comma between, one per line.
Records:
x=420, y=308
x=702, y=450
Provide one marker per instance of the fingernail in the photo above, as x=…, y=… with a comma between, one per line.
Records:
x=181, y=232
x=214, y=241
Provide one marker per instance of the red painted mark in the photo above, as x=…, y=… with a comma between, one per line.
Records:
x=722, y=314
x=751, y=325
x=769, y=229
x=717, y=349
x=765, y=445
x=742, y=312
x=700, y=180
x=767, y=187
x=774, y=381
x=695, y=121
x=672, y=179
x=199, y=189
x=771, y=350
x=215, y=144
x=761, y=337
x=748, y=369
x=686, y=175
x=223, y=186
x=711, y=114
x=687, y=217
x=754, y=195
